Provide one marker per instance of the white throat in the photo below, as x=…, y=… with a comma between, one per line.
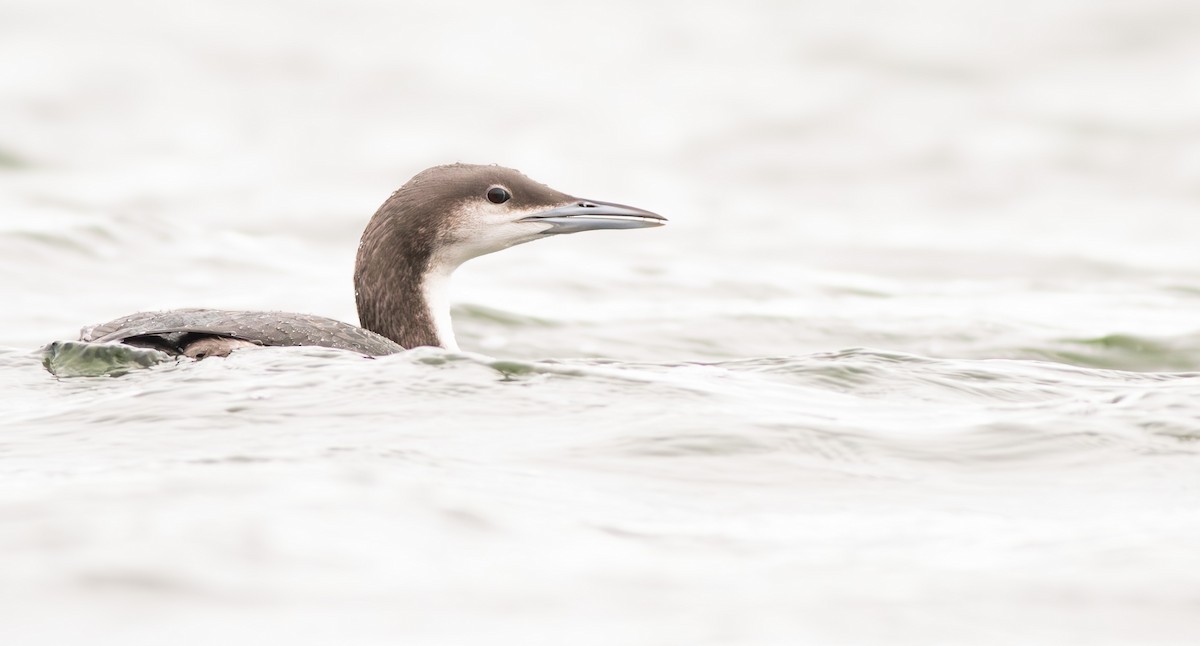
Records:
x=436, y=287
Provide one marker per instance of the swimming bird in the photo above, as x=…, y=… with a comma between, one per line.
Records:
x=441, y=218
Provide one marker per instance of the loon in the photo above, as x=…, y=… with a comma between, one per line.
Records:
x=441, y=218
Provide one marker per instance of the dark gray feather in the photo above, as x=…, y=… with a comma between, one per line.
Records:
x=172, y=330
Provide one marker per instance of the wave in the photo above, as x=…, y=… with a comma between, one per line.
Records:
x=857, y=411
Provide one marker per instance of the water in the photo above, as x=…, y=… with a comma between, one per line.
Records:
x=916, y=360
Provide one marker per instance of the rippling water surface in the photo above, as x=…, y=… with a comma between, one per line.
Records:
x=916, y=361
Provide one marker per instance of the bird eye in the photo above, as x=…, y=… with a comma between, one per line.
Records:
x=497, y=195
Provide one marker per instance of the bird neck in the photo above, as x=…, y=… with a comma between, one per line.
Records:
x=400, y=289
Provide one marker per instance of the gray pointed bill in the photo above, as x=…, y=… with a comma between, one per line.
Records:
x=588, y=215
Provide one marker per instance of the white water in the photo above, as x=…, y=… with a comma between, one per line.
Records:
x=654, y=437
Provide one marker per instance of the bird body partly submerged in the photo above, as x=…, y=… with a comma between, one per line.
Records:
x=200, y=333
x=441, y=218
